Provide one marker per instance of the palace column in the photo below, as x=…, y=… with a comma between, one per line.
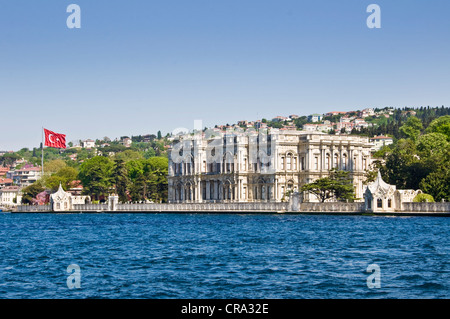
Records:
x=276, y=190
x=208, y=190
x=199, y=190
x=216, y=190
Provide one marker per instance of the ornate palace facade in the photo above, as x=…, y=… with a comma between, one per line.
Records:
x=249, y=167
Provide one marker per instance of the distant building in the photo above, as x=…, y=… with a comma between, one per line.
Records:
x=6, y=182
x=315, y=118
x=289, y=127
x=4, y=170
x=238, y=175
x=318, y=127
x=26, y=176
x=279, y=119
x=367, y=112
x=10, y=196
x=88, y=144
x=360, y=123
x=382, y=197
x=380, y=141
x=64, y=201
x=126, y=142
x=335, y=113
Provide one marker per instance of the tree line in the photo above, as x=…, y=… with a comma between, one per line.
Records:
x=420, y=159
x=133, y=179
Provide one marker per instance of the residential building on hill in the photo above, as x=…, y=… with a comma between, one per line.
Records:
x=10, y=196
x=25, y=176
x=380, y=141
x=88, y=144
x=315, y=118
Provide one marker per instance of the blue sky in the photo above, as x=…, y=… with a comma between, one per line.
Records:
x=136, y=67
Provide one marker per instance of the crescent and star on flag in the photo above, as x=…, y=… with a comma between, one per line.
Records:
x=55, y=140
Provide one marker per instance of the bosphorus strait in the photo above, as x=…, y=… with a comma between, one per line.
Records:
x=220, y=256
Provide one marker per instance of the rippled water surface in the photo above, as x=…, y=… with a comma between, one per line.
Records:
x=222, y=256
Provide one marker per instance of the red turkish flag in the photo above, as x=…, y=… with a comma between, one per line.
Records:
x=55, y=140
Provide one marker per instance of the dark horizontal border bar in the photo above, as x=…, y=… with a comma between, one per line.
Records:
x=229, y=308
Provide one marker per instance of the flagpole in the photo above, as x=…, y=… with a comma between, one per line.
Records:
x=42, y=148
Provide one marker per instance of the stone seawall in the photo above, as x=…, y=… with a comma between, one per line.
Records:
x=261, y=207
x=427, y=207
x=332, y=207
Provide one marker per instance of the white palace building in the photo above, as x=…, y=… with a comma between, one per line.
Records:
x=257, y=166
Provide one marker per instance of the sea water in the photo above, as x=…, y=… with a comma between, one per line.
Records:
x=223, y=256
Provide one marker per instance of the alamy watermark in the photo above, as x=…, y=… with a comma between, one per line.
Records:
x=74, y=279
x=221, y=146
x=374, y=279
x=374, y=20
x=74, y=19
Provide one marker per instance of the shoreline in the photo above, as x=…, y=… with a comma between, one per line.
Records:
x=383, y=214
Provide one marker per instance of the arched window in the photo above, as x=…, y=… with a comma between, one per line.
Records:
x=289, y=161
x=344, y=162
x=379, y=203
x=336, y=161
x=327, y=162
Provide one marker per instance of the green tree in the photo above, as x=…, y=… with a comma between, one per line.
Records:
x=343, y=185
x=403, y=167
x=440, y=125
x=9, y=159
x=54, y=166
x=412, y=128
x=338, y=185
x=149, y=153
x=96, y=176
x=128, y=155
x=138, y=190
x=121, y=180
x=30, y=192
x=437, y=184
x=432, y=145
x=65, y=176
x=322, y=188
x=422, y=198
x=157, y=171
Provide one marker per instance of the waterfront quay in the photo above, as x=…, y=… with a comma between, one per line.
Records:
x=334, y=208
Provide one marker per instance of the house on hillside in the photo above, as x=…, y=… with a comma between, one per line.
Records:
x=88, y=144
x=380, y=141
